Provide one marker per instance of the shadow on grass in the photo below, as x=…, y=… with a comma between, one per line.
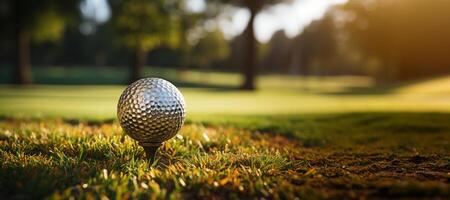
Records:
x=42, y=174
x=107, y=76
x=319, y=130
x=336, y=123
x=382, y=88
x=211, y=86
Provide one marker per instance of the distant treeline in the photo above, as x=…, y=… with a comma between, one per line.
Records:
x=387, y=39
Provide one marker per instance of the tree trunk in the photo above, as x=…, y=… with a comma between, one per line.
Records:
x=249, y=69
x=22, y=69
x=138, y=62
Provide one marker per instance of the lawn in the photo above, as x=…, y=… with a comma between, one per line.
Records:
x=314, y=138
x=214, y=94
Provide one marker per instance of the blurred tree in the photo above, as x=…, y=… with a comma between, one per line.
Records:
x=90, y=41
x=236, y=58
x=409, y=38
x=277, y=57
x=189, y=21
x=210, y=48
x=317, y=43
x=143, y=25
x=39, y=21
x=249, y=68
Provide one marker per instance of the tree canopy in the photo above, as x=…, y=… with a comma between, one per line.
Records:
x=37, y=21
x=145, y=24
x=212, y=47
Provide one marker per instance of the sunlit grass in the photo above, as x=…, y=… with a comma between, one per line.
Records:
x=41, y=158
x=311, y=95
x=437, y=86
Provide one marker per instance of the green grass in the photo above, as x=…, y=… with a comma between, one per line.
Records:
x=278, y=95
x=311, y=138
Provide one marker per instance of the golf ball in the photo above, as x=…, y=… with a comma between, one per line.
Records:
x=151, y=110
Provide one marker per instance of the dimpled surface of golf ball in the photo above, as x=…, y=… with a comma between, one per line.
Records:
x=151, y=110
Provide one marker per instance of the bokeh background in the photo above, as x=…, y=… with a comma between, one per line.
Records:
x=286, y=99
x=228, y=56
